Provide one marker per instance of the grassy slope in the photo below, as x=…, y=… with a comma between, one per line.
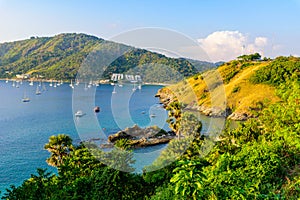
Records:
x=242, y=96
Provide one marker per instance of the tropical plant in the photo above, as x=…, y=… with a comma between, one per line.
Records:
x=59, y=146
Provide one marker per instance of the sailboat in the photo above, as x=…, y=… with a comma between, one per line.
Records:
x=37, y=92
x=6, y=80
x=50, y=84
x=114, y=91
x=17, y=84
x=25, y=98
x=71, y=84
x=54, y=84
x=31, y=83
x=134, y=88
x=139, y=86
x=44, y=87
x=13, y=84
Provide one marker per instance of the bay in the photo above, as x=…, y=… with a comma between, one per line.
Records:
x=26, y=127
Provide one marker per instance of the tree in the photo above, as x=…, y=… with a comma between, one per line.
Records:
x=188, y=179
x=174, y=115
x=59, y=147
x=190, y=125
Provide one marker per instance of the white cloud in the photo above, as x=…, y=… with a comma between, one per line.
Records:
x=227, y=45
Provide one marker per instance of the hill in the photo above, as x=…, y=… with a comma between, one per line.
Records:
x=249, y=86
x=60, y=57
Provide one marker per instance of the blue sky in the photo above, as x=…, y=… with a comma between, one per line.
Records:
x=274, y=23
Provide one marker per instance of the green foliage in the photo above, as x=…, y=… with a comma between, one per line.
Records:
x=174, y=113
x=61, y=56
x=188, y=179
x=59, y=146
x=251, y=57
x=279, y=71
x=236, y=89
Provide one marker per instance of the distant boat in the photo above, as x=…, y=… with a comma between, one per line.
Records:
x=37, y=92
x=79, y=113
x=50, y=84
x=17, y=84
x=120, y=85
x=114, y=91
x=25, y=98
x=54, y=84
x=152, y=115
x=44, y=87
x=71, y=84
x=13, y=84
x=31, y=83
x=97, y=109
x=134, y=88
x=139, y=86
x=6, y=80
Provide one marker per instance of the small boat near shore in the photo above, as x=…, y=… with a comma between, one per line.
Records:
x=79, y=113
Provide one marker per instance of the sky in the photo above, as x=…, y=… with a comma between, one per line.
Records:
x=224, y=29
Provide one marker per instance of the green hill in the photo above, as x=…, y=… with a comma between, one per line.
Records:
x=249, y=86
x=60, y=57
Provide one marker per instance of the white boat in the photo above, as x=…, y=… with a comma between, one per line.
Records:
x=54, y=84
x=79, y=113
x=37, y=92
x=6, y=80
x=13, y=84
x=134, y=87
x=114, y=91
x=44, y=87
x=25, y=98
x=152, y=115
x=139, y=86
x=50, y=84
x=31, y=83
x=17, y=84
x=71, y=84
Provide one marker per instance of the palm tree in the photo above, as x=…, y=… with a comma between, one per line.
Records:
x=59, y=146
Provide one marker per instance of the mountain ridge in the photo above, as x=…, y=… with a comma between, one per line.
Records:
x=60, y=57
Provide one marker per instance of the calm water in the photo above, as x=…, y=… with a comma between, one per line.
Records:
x=26, y=127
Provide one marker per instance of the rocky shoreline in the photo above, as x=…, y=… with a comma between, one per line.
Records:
x=166, y=97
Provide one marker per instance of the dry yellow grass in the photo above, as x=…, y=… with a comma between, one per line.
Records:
x=239, y=93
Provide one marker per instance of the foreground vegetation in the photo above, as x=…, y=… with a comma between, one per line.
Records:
x=258, y=160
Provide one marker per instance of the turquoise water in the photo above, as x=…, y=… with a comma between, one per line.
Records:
x=26, y=127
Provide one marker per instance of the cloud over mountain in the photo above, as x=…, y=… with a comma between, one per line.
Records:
x=227, y=45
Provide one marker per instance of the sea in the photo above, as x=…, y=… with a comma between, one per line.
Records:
x=25, y=127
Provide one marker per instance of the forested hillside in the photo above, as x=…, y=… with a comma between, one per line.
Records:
x=60, y=57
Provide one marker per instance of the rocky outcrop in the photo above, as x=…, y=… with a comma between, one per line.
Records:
x=141, y=137
x=239, y=116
